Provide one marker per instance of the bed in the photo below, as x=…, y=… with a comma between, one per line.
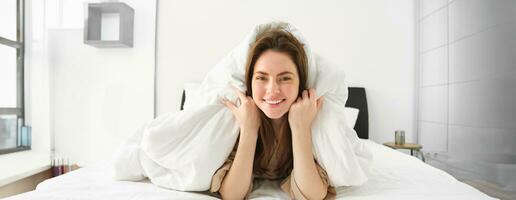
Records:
x=394, y=175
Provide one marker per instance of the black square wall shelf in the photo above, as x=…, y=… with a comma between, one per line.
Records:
x=93, y=25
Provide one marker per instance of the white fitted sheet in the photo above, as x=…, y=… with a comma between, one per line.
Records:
x=394, y=175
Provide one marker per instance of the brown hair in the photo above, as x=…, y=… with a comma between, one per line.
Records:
x=281, y=40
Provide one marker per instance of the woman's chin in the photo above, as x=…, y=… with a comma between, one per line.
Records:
x=274, y=115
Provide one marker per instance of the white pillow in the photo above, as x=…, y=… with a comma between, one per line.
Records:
x=351, y=116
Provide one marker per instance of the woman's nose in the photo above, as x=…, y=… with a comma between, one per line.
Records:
x=272, y=87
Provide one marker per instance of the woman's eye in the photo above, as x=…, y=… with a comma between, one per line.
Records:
x=285, y=78
x=260, y=78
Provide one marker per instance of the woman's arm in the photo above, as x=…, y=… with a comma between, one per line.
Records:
x=305, y=171
x=306, y=176
x=237, y=181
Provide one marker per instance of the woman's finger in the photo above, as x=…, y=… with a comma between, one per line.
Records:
x=311, y=93
x=320, y=102
x=230, y=105
x=241, y=95
x=305, y=94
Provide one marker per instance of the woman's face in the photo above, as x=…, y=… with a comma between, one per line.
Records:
x=275, y=83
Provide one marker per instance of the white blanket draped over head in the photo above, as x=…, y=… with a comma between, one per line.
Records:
x=182, y=150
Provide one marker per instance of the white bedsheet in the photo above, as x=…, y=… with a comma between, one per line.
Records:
x=394, y=175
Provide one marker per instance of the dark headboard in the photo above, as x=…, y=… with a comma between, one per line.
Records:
x=356, y=99
x=183, y=98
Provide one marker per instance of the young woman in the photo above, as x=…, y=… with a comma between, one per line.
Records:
x=275, y=118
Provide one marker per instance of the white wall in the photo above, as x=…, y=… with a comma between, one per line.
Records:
x=98, y=96
x=467, y=72
x=467, y=80
x=372, y=39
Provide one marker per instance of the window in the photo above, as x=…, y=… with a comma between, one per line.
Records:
x=14, y=136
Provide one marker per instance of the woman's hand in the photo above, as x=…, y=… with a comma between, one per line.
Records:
x=247, y=115
x=303, y=111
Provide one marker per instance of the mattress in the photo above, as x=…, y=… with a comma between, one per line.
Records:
x=393, y=175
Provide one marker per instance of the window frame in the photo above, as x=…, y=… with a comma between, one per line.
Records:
x=19, y=45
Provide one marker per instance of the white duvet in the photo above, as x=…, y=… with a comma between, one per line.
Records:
x=182, y=150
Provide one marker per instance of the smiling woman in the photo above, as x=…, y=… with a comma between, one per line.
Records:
x=275, y=123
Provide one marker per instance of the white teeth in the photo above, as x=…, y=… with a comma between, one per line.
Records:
x=274, y=102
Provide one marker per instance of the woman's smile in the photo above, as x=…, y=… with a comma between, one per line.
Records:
x=273, y=102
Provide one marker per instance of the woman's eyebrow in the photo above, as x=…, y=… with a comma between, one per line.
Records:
x=260, y=72
x=280, y=74
x=285, y=72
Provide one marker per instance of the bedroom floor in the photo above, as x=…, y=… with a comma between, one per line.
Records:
x=487, y=187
